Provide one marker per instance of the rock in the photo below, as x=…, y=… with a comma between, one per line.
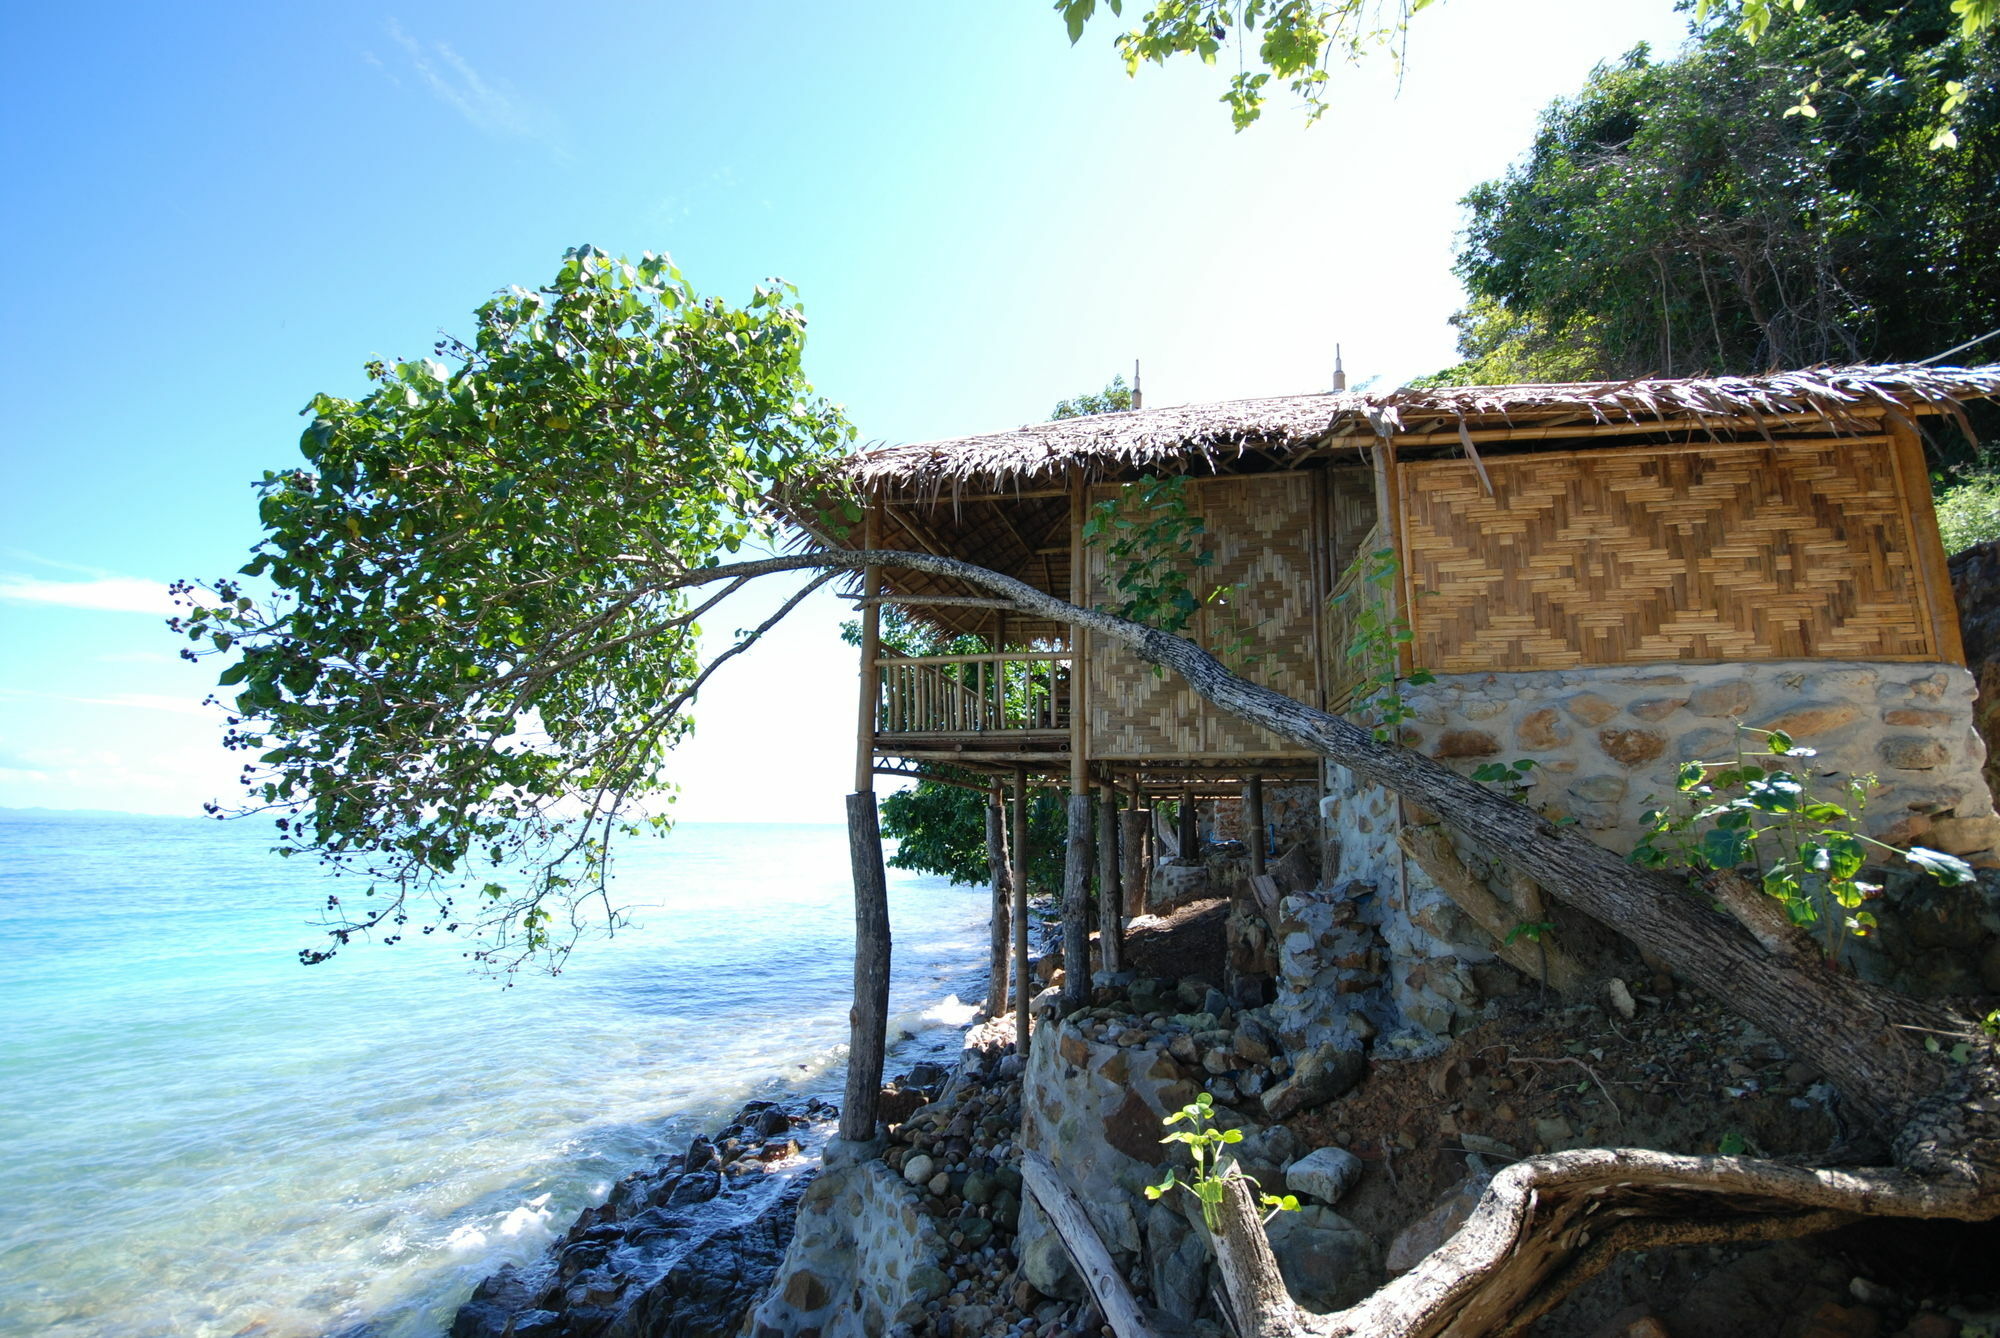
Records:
x=710, y=1290
x=1487, y=1147
x=770, y=1123
x=1275, y=1144
x=919, y=1169
x=1044, y=1261
x=924, y=1075
x=1912, y=752
x=1621, y=998
x=1589, y=709
x=977, y=1231
x=1810, y=718
x=1721, y=699
x=1007, y=1210
x=1327, y=1262
x=1542, y=730
x=980, y=1187
x=927, y=1282
x=1323, y=1073
x=1633, y=747
x=1466, y=743
x=1324, y=1173
x=939, y=1185
x=698, y=1187
x=1434, y=1228
x=1656, y=708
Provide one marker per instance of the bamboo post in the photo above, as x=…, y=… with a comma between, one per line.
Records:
x=1253, y=820
x=1190, y=830
x=1076, y=903
x=1019, y=879
x=1110, y=907
x=996, y=867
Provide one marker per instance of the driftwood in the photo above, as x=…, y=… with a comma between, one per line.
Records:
x=1546, y=961
x=1086, y=1250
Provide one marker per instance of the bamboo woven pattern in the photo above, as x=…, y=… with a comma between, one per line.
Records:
x=1771, y=551
x=1261, y=531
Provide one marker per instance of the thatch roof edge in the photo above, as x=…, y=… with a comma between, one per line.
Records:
x=1107, y=444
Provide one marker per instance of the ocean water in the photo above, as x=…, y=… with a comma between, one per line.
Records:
x=198, y=1136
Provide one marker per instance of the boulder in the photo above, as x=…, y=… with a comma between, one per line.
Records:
x=1324, y=1072
x=1327, y=1261
x=1324, y=1173
x=1414, y=1242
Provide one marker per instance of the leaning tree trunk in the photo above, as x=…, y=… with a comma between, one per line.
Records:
x=1547, y=1223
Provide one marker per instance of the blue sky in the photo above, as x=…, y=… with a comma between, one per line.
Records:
x=215, y=211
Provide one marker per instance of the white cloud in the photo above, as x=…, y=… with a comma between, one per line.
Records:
x=486, y=104
x=136, y=701
x=111, y=594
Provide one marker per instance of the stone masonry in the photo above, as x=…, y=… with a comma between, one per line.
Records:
x=1606, y=744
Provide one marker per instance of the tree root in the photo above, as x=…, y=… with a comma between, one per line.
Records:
x=1548, y=1224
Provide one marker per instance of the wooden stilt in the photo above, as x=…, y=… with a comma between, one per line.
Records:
x=996, y=867
x=1253, y=822
x=1134, y=826
x=869, y=1018
x=1019, y=879
x=1110, y=901
x=1076, y=903
x=1190, y=830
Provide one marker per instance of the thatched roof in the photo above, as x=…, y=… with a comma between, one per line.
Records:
x=1106, y=445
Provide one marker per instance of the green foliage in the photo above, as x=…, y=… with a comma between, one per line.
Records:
x=1532, y=930
x=1116, y=397
x=1294, y=41
x=1671, y=219
x=1501, y=346
x=1759, y=813
x=471, y=665
x=941, y=829
x=1211, y=1173
x=1514, y=774
x=1968, y=509
x=1376, y=638
x=1153, y=541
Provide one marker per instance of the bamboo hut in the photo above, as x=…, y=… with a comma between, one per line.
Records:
x=1600, y=576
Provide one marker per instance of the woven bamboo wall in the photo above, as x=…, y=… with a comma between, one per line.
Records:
x=1265, y=533
x=1718, y=552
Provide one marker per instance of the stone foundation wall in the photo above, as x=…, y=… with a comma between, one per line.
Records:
x=861, y=1252
x=1607, y=744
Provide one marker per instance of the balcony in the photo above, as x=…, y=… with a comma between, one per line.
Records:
x=1000, y=706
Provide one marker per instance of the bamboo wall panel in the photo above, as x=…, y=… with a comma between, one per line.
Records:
x=1723, y=552
x=1262, y=531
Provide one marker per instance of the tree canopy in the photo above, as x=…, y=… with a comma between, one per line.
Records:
x=474, y=659
x=1686, y=216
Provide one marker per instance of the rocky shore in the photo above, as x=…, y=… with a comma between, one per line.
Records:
x=683, y=1248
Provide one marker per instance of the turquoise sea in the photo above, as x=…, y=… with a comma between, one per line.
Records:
x=202, y=1137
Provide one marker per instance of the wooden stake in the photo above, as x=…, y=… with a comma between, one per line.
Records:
x=1253, y=820
x=1190, y=830
x=1076, y=904
x=996, y=867
x=1019, y=880
x=1110, y=899
x=869, y=1018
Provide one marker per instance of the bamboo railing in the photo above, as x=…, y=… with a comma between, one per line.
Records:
x=1003, y=692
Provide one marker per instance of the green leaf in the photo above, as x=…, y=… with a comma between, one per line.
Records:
x=1947, y=869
